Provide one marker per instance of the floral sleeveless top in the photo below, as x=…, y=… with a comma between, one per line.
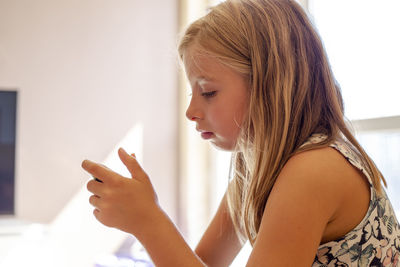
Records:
x=375, y=241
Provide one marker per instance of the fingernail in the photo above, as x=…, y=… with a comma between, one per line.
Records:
x=84, y=162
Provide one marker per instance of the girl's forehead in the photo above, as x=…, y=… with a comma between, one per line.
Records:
x=201, y=64
x=196, y=73
x=192, y=58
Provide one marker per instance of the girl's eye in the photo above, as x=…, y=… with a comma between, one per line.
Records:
x=209, y=94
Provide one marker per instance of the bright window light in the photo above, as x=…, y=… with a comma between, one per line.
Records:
x=362, y=41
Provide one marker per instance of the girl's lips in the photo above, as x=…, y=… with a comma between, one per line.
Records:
x=206, y=135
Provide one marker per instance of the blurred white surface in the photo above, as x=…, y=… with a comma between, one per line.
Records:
x=75, y=237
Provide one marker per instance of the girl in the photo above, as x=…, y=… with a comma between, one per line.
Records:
x=303, y=191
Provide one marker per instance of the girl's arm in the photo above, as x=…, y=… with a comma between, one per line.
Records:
x=312, y=193
x=219, y=244
x=165, y=244
x=131, y=205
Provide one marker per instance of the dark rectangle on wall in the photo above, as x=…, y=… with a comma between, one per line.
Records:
x=8, y=112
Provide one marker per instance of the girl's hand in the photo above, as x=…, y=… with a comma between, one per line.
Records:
x=129, y=204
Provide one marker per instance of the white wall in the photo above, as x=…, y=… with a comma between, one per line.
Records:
x=87, y=71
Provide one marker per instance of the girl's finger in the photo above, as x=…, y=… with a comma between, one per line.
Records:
x=95, y=187
x=94, y=201
x=99, y=171
x=101, y=217
x=96, y=213
x=131, y=163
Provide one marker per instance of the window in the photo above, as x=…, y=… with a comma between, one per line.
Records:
x=362, y=41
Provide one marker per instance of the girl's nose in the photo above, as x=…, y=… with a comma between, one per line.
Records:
x=192, y=113
x=189, y=114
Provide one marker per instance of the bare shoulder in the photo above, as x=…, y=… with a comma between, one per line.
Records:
x=316, y=198
x=317, y=160
x=323, y=169
x=326, y=177
x=320, y=175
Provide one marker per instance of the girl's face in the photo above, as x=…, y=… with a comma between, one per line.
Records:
x=219, y=99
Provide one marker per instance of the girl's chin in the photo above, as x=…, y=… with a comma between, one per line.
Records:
x=222, y=146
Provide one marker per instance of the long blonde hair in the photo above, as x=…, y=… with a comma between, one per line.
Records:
x=293, y=94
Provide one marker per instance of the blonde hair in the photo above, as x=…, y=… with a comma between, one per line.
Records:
x=293, y=94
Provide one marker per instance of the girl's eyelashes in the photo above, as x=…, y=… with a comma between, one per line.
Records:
x=209, y=94
x=205, y=94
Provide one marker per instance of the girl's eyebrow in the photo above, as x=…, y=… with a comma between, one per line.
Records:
x=204, y=79
x=200, y=80
x=204, y=83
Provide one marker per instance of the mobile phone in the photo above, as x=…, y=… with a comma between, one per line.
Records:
x=97, y=179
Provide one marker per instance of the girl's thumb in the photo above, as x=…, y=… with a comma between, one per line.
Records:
x=130, y=163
